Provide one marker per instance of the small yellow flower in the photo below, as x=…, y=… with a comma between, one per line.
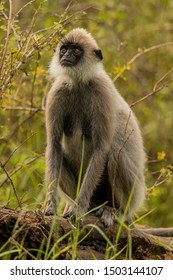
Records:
x=40, y=70
x=163, y=170
x=161, y=155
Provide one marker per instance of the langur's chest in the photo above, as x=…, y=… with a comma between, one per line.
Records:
x=77, y=125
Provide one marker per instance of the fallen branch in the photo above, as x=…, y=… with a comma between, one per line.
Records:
x=162, y=232
x=32, y=228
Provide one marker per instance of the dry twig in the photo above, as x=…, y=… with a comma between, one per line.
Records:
x=11, y=181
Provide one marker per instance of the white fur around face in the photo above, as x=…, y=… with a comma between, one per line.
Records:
x=53, y=67
x=84, y=71
x=87, y=68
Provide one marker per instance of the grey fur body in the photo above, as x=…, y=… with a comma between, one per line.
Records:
x=84, y=103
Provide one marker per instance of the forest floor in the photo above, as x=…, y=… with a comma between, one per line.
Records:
x=35, y=234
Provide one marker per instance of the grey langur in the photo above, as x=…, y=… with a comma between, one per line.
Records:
x=83, y=106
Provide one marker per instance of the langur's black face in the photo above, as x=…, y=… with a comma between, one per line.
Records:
x=70, y=54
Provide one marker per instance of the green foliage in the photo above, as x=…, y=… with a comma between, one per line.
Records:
x=137, y=46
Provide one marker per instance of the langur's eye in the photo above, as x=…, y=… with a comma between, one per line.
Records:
x=63, y=50
x=77, y=51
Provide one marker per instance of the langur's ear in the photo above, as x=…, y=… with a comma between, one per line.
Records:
x=99, y=54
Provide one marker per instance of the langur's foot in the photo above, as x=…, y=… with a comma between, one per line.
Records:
x=107, y=215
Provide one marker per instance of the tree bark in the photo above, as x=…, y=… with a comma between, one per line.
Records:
x=34, y=229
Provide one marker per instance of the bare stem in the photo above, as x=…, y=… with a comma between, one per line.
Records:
x=140, y=53
x=150, y=94
x=7, y=36
x=11, y=181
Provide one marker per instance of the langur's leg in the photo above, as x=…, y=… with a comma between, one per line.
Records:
x=67, y=183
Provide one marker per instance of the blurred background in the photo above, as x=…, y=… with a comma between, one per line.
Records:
x=136, y=38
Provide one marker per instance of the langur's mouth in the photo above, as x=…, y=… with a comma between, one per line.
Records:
x=67, y=63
